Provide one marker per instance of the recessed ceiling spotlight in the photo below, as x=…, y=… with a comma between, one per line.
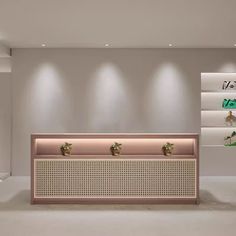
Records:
x=43, y=45
x=107, y=45
x=170, y=45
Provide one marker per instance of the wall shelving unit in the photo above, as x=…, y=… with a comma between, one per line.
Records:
x=215, y=88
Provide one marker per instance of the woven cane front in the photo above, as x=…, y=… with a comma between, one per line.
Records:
x=97, y=178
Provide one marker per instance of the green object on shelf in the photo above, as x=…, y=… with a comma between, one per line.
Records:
x=230, y=140
x=230, y=145
x=229, y=104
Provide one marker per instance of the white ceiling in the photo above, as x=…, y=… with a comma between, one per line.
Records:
x=121, y=23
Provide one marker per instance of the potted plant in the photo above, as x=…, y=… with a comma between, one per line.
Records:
x=66, y=149
x=168, y=149
x=115, y=149
x=230, y=139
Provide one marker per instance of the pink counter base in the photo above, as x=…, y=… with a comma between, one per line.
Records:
x=97, y=146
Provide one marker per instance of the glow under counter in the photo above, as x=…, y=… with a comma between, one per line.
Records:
x=140, y=174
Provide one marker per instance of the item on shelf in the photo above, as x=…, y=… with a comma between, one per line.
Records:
x=230, y=140
x=229, y=85
x=66, y=149
x=115, y=149
x=168, y=149
x=229, y=103
x=230, y=119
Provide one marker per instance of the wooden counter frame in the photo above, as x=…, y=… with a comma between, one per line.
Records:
x=118, y=200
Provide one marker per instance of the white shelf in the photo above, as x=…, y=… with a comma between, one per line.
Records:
x=214, y=81
x=213, y=125
x=215, y=135
x=219, y=127
x=219, y=91
x=225, y=110
x=215, y=118
x=223, y=127
x=213, y=101
x=220, y=146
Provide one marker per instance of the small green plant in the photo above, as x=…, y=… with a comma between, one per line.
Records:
x=229, y=103
x=168, y=149
x=66, y=149
x=229, y=139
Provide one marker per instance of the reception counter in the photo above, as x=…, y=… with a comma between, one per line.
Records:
x=91, y=173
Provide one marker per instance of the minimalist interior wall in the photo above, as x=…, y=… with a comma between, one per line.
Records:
x=5, y=64
x=110, y=90
x=5, y=122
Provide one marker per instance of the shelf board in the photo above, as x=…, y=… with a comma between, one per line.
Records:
x=223, y=109
x=212, y=145
x=218, y=91
x=217, y=145
x=110, y=157
x=216, y=127
x=219, y=110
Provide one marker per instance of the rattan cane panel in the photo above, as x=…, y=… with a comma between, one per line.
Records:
x=114, y=178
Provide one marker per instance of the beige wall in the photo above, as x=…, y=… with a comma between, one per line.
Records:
x=5, y=122
x=111, y=90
